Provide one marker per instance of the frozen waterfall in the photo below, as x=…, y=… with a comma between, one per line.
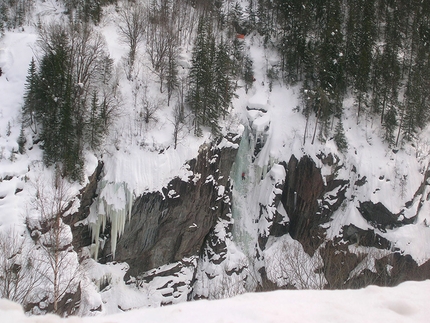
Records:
x=114, y=204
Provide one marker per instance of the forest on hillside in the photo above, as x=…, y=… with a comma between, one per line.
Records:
x=376, y=51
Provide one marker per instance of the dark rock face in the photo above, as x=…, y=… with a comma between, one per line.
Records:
x=190, y=221
x=169, y=226
x=380, y=217
x=367, y=238
x=67, y=306
x=177, y=284
x=215, y=249
x=310, y=201
x=81, y=234
x=277, y=224
x=338, y=263
x=303, y=187
x=303, y=199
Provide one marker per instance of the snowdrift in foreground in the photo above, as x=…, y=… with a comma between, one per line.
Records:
x=407, y=302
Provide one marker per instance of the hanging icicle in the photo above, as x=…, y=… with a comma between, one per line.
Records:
x=113, y=204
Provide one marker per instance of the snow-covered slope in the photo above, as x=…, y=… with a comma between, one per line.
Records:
x=262, y=203
x=405, y=303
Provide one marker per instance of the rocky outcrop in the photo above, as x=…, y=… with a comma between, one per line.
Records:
x=367, y=238
x=81, y=234
x=380, y=217
x=173, y=282
x=357, y=257
x=309, y=200
x=168, y=226
x=180, y=240
x=68, y=305
x=304, y=187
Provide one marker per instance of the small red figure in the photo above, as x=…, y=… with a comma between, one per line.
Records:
x=243, y=176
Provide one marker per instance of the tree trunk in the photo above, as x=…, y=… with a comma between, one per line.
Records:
x=316, y=124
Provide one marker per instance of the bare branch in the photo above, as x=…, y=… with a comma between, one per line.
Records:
x=60, y=267
x=131, y=28
x=18, y=276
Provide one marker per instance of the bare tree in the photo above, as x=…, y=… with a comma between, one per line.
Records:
x=182, y=90
x=145, y=110
x=131, y=28
x=149, y=108
x=87, y=52
x=18, y=276
x=110, y=98
x=60, y=267
x=178, y=123
x=368, y=271
x=178, y=18
x=291, y=266
x=157, y=49
x=162, y=43
x=172, y=81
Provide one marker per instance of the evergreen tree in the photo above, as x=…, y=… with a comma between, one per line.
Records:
x=95, y=123
x=211, y=111
x=390, y=124
x=330, y=60
x=223, y=81
x=248, y=73
x=339, y=136
x=365, y=38
x=263, y=20
x=415, y=114
x=31, y=102
x=294, y=19
x=3, y=17
x=236, y=18
x=417, y=95
x=54, y=94
x=351, y=41
x=251, y=13
x=199, y=77
x=390, y=65
x=21, y=141
x=210, y=79
x=59, y=96
x=310, y=65
x=238, y=57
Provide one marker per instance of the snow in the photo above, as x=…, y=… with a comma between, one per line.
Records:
x=258, y=101
x=106, y=286
x=148, y=171
x=413, y=240
x=405, y=303
x=393, y=175
x=140, y=158
x=260, y=124
x=287, y=263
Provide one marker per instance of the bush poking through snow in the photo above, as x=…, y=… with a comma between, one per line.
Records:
x=18, y=275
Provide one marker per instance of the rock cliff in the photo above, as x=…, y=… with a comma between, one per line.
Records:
x=186, y=241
